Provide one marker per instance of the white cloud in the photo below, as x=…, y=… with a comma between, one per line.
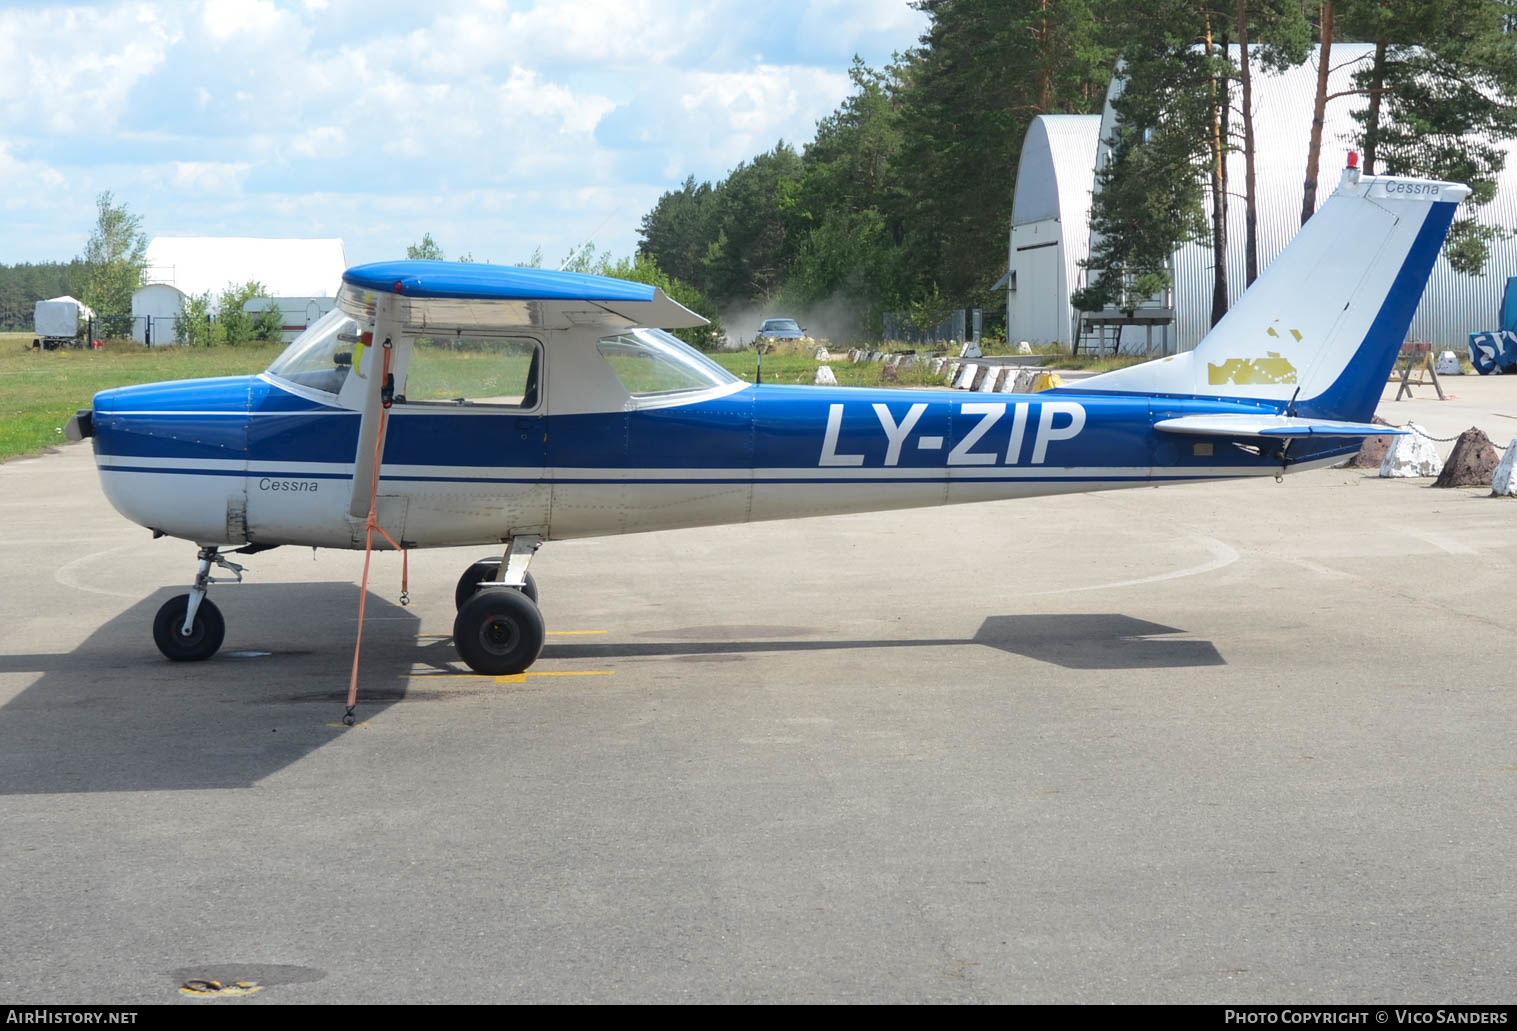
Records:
x=71, y=70
x=497, y=126
x=325, y=141
x=15, y=172
x=211, y=177
x=224, y=19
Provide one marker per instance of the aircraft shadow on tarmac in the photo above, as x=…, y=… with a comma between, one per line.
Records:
x=114, y=715
x=1081, y=641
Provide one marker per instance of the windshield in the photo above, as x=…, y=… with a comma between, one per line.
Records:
x=782, y=325
x=322, y=356
x=651, y=361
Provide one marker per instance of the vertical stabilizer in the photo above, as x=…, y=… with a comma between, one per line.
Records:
x=1324, y=322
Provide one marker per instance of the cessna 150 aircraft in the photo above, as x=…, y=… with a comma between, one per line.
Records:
x=463, y=404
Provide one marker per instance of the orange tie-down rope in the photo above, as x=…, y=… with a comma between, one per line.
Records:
x=370, y=525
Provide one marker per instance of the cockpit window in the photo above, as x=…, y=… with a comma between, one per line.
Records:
x=451, y=368
x=650, y=362
x=322, y=356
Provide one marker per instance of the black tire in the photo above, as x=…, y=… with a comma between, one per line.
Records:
x=499, y=632
x=203, y=639
x=481, y=572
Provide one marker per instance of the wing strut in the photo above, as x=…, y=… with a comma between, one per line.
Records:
x=387, y=396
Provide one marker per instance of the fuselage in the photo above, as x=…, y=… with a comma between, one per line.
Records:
x=257, y=460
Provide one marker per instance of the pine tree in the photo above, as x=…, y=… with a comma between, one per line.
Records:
x=1167, y=139
x=1442, y=91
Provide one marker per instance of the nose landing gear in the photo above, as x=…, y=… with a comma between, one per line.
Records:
x=188, y=627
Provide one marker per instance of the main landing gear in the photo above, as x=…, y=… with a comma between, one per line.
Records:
x=189, y=628
x=499, y=629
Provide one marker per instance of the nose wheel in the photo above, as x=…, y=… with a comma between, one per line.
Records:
x=203, y=638
x=189, y=628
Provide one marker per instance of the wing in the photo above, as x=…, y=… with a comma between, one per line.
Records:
x=452, y=294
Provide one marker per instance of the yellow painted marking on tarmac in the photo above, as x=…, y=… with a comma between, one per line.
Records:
x=570, y=673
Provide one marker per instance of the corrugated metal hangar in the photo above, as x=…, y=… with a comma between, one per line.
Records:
x=1052, y=204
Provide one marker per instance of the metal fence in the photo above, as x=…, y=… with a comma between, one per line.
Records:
x=963, y=324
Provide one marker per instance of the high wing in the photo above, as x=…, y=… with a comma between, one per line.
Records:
x=433, y=295
x=1272, y=426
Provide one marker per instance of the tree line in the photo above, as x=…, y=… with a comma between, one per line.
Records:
x=23, y=285
x=902, y=201
x=110, y=270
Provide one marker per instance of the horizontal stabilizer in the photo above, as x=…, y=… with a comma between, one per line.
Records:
x=1272, y=426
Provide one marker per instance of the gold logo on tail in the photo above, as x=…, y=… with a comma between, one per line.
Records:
x=1268, y=370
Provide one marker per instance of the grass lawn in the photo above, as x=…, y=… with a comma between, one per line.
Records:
x=795, y=366
x=40, y=390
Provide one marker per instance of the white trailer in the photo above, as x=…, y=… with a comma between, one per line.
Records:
x=58, y=321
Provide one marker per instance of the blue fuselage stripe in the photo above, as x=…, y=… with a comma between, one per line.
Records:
x=761, y=434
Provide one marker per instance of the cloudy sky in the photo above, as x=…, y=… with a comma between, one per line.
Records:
x=496, y=125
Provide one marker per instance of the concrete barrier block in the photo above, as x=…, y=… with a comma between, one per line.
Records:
x=1412, y=455
x=1448, y=364
x=1471, y=463
x=825, y=377
x=822, y=355
x=967, y=373
x=1504, y=479
x=1372, y=452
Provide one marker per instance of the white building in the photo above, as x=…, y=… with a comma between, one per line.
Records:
x=1050, y=225
x=1453, y=306
x=301, y=276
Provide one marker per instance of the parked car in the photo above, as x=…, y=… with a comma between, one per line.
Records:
x=780, y=329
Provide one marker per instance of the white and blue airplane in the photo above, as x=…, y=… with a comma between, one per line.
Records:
x=516, y=406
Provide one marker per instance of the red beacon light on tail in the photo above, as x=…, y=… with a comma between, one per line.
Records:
x=1353, y=159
